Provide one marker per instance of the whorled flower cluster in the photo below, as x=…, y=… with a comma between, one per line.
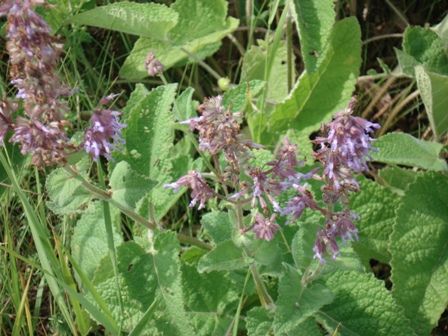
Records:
x=219, y=130
x=343, y=151
x=34, y=54
x=104, y=133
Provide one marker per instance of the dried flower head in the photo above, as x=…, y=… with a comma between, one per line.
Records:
x=104, y=133
x=200, y=190
x=46, y=142
x=265, y=228
x=286, y=163
x=219, y=130
x=153, y=65
x=6, y=109
x=297, y=204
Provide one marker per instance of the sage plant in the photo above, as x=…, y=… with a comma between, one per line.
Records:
x=343, y=152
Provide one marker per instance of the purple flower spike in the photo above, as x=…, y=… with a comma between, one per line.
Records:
x=200, y=191
x=104, y=133
x=325, y=242
x=345, y=149
x=265, y=228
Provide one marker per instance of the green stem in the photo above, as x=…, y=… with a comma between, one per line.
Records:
x=289, y=53
x=107, y=196
x=110, y=240
x=262, y=292
x=202, y=64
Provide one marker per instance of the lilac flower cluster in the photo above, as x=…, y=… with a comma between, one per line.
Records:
x=153, y=65
x=343, y=151
x=104, y=133
x=34, y=54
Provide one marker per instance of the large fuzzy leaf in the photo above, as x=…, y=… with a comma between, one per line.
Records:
x=297, y=302
x=433, y=89
x=67, y=194
x=319, y=94
x=146, y=278
x=201, y=26
x=404, y=149
x=148, y=20
x=362, y=306
x=89, y=239
x=422, y=46
x=375, y=206
x=314, y=20
x=419, y=248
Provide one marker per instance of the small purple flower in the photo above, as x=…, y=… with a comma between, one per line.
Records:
x=296, y=205
x=200, y=190
x=153, y=65
x=265, y=228
x=264, y=186
x=286, y=163
x=104, y=133
x=338, y=225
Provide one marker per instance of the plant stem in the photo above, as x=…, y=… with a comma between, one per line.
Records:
x=107, y=196
x=262, y=292
x=110, y=240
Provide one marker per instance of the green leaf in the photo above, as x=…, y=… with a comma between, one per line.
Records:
x=17, y=160
x=201, y=26
x=207, y=302
x=148, y=20
x=297, y=302
x=226, y=256
x=433, y=88
x=127, y=186
x=89, y=239
x=427, y=48
x=183, y=106
x=404, y=149
x=143, y=278
x=259, y=322
x=419, y=248
x=314, y=20
x=397, y=179
x=239, y=96
x=362, y=306
x=137, y=96
x=66, y=194
x=318, y=95
x=149, y=140
x=255, y=68
x=442, y=30
x=218, y=226
x=375, y=206
x=303, y=241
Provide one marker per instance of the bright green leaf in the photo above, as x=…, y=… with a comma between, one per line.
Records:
x=375, y=206
x=226, y=256
x=419, y=252
x=314, y=20
x=218, y=226
x=201, y=26
x=148, y=19
x=89, y=239
x=239, y=96
x=404, y=149
x=66, y=194
x=427, y=48
x=296, y=303
x=362, y=306
x=127, y=186
x=318, y=95
x=433, y=90
x=397, y=179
